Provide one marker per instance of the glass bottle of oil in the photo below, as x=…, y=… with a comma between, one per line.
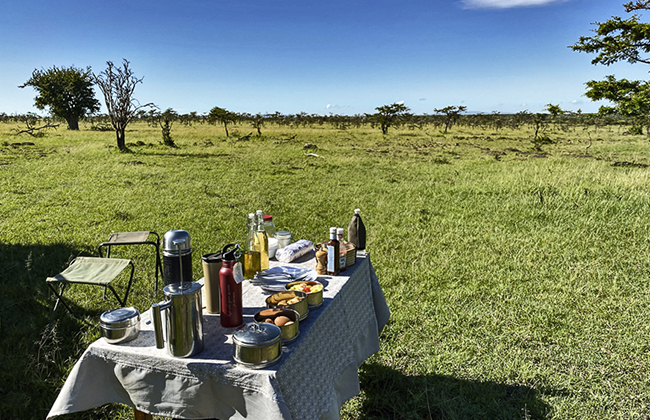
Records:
x=262, y=243
x=252, y=261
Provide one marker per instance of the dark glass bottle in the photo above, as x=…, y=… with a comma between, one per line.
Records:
x=333, y=254
x=357, y=231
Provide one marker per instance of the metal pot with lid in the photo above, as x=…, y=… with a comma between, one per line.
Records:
x=120, y=325
x=257, y=345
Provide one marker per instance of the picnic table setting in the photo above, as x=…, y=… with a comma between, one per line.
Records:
x=274, y=329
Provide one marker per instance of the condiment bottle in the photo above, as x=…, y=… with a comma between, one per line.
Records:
x=343, y=250
x=269, y=226
x=357, y=231
x=333, y=257
x=263, y=245
x=230, y=277
x=252, y=263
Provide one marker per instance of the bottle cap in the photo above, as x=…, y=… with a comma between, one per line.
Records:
x=333, y=230
x=231, y=252
x=268, y=217
x=356, y=211
x=339, y=231
x=259, y=212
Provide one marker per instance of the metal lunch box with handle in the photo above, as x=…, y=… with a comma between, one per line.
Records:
x=257, y=345
x=120, y=325
x=292, y=299
x=286, y=319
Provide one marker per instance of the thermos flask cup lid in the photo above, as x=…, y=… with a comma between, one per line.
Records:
x=175, y=240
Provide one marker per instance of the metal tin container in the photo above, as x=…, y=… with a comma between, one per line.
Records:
x=314, y=299
x=120, y=325
x=279, y=300
x=290, y=331
x=257, y=345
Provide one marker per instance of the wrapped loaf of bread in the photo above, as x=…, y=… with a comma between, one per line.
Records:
x=294, y=251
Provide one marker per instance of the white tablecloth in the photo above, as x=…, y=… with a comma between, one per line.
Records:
x=315, y=376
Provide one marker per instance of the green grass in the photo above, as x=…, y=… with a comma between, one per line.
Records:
x=517, y=279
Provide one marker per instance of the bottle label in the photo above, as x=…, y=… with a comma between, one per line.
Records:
x=331, y=264
x=238, y=273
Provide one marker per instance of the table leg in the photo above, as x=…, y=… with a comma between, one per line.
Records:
x=139, y=415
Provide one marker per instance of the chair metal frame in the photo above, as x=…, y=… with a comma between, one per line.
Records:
x=115, y=240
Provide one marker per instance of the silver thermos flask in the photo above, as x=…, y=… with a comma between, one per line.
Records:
x=183, y=303
x=177, y=256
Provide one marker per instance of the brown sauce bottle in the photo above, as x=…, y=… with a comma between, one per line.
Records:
x=333, y=254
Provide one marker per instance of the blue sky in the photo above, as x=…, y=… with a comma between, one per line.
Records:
x=341, y=57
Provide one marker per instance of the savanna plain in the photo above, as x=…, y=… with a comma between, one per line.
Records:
x=516, y=272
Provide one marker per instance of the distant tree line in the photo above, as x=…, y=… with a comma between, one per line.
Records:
x=493, y=121
x=67, y=93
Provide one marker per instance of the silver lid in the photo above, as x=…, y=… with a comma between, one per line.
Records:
x=120, y=317
x=185, y=288
x=175, y=240
x=257, y=334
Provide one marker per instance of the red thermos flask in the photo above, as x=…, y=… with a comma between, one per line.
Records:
x=231, y=314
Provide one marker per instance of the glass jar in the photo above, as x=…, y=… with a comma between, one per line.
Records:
x=269, y=227
x=284, y=238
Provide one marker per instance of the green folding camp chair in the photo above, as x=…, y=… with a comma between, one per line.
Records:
x=134, y=238
x=93, y=271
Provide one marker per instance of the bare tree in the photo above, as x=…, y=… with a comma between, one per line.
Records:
x=118, y=84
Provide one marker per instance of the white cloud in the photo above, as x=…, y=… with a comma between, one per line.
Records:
x=505, y=4
x=337, y=107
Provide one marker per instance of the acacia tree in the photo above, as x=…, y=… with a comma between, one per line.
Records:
x=165, y=121
x=223, y=116
x=118, y=84
x=66, y=91
x=391, y=115
x=452, y=113
x=617, y=40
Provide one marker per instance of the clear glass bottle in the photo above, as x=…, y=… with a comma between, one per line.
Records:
x=252, y=260
x=343, y=250
x=269, y=226
x=262, y=244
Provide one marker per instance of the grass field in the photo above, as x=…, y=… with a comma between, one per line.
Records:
x=517, y=278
